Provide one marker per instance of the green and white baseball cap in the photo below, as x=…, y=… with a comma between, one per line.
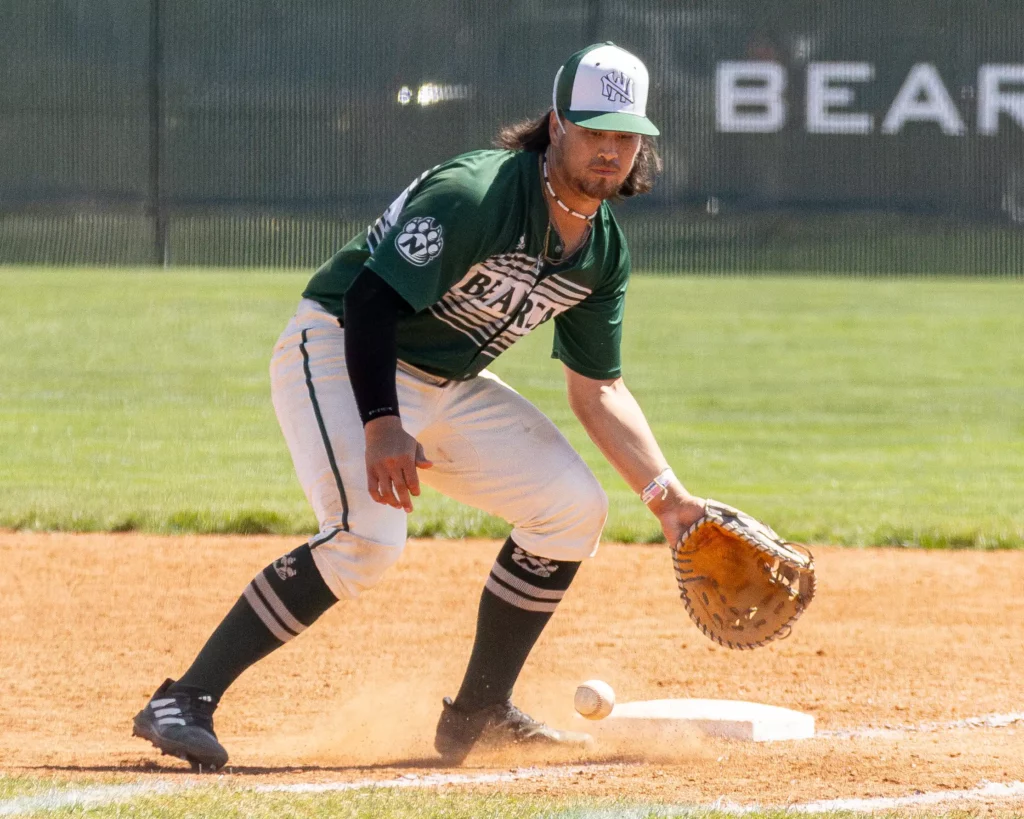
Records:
x=604, y=87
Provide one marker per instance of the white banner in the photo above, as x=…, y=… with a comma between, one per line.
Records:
x=751, y=97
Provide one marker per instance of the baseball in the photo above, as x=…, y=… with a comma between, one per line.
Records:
x=594, y=699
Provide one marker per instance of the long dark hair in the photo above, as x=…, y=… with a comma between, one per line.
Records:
x=533, y=135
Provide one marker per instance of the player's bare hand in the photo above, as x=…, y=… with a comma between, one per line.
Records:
x=677, y=511
x=392, y=458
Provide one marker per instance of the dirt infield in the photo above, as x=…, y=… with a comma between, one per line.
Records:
x=912, y=641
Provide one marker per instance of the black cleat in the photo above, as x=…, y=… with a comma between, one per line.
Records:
x=497, y=726
x=180, y=724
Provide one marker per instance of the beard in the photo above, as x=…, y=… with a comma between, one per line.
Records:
x=597, y=188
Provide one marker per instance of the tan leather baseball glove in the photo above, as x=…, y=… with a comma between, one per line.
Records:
x=742, y=584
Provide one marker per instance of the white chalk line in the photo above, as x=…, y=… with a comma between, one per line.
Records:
x=885, y=731
x=986, y=790
x=89, y=796
x=991, y=791
x=96, y=795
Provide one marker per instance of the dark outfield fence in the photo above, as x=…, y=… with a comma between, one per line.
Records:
x=835, y=135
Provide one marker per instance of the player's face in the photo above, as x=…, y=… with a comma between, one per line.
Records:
x=594, y=163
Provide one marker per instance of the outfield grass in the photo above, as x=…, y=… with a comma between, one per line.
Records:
x=847, y=411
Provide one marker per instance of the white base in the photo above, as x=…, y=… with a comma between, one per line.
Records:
x=732, y=719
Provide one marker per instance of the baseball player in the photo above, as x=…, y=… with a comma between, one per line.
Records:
x=380, y=381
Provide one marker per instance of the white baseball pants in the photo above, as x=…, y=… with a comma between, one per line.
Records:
x=491, y=449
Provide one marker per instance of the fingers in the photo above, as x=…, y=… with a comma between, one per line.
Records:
x=403, y=495
x=421, y=463
x=392, y=485
x=373, y=488
x=392, y=459
x=382, y=489
x=412, y=480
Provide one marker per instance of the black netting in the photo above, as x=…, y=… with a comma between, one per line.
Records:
x=264, y=132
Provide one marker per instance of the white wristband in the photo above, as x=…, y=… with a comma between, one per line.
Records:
x=658, y=488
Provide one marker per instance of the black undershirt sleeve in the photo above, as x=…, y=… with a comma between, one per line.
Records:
x=372, y=309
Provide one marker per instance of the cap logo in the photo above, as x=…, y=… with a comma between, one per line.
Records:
x=617, y=87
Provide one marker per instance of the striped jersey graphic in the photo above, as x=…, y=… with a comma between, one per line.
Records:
x=500, y=300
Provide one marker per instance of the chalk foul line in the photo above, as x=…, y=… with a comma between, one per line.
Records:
x=96, y=795
x=986, y=790
x=88, y=796
x=986, y=721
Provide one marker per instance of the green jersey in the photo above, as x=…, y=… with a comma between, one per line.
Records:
x=470, y=247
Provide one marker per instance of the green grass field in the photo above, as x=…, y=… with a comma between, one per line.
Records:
x=854, y=411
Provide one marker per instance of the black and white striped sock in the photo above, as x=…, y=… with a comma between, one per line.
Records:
x=279, y=604
x=521, y=594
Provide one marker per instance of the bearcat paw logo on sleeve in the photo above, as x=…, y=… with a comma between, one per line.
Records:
x=420, y=241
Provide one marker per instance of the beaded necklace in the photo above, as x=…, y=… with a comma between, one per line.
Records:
x=561, y=204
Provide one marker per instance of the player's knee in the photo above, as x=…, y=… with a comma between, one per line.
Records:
x=595, y=510
x=568, y=525
x=599, y=499
x=352, y=565
x=591, y=506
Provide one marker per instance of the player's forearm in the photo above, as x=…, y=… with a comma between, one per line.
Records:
x=371, y=318
x=616, y=424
